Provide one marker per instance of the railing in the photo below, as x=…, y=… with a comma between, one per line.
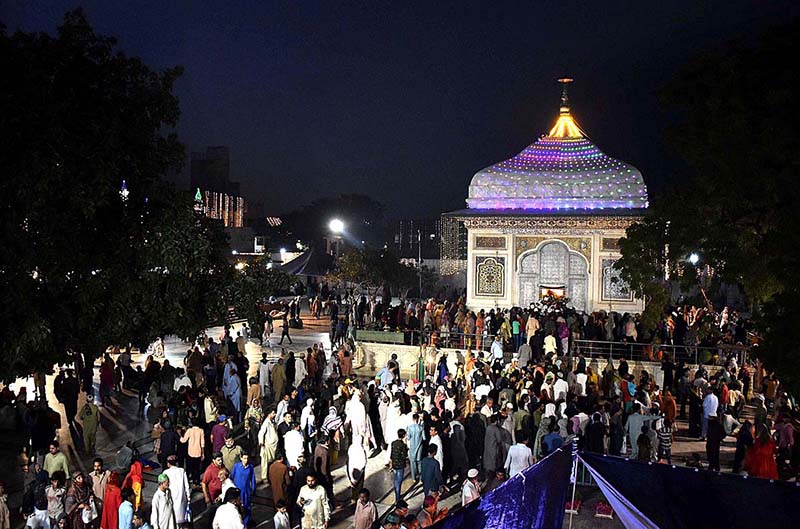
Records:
x=656, y=352
x=634, y=351
x=399, y=337
x=459, y=340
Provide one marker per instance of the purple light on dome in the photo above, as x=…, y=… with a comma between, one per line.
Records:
x=557, y=173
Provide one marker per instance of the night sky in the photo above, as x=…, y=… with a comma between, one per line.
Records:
x=405, y=101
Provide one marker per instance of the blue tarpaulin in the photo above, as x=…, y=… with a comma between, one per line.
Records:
x=533, y=499
x=667, y=497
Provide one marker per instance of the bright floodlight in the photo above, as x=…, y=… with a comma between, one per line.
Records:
x=283, y=251
x=336, y=226
x=694, y=258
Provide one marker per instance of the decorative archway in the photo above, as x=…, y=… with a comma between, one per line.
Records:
x=552, y=264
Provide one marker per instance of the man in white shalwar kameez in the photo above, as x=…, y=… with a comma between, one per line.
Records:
x=228, y=515
x=356, y=417
x=394, y=421
x=314, y=502
x=268, y=441
x=264, y=369
x=179, y=487
x=293, y=445
x=162, y=515
x=300, y=371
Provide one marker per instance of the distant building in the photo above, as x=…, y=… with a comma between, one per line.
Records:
x=222, y=198
x=453, y=248
x=410, y=234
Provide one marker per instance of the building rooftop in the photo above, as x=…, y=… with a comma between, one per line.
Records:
x=561, y=170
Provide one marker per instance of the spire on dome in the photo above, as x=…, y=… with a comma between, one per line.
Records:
x=564, y=97
x=565, y=126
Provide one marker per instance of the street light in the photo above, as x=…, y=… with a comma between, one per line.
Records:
x=432, y=236
x=336, y=226
x=694, y=259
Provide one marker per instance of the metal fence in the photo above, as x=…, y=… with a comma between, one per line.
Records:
x=657, y=352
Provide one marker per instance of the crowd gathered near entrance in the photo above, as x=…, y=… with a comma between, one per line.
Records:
x=223, y=427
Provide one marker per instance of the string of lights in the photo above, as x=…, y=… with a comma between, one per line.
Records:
x=562, y=170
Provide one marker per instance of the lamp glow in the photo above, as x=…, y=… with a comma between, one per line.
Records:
x=694, y=258
x=336, y=226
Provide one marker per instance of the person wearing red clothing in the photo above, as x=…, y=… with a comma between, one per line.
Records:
x=760, y=459
x=111, y=502
x=106, y=382
x=210, y=482
x=134, y=480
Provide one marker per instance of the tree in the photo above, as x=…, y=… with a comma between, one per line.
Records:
x=251, y=287
x=736, y=207
x=368, y=269
x=85, y=265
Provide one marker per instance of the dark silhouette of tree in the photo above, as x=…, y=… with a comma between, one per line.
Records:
x=84, y=264
x=737, y=206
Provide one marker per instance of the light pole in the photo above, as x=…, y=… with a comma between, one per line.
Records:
x=419, y=261
x=419, y=258
x=337, y=228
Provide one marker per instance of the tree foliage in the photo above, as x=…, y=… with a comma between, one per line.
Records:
x=737, y=206
x=82, y=268
x=253, y=286
x=368, y=269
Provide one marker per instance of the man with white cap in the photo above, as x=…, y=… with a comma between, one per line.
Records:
x=471, y=491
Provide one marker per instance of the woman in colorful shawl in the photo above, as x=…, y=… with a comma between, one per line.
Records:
x=111, y=502
x=80, y=504
x=134, y=480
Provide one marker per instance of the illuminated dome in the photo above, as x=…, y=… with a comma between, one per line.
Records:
x=562, y=170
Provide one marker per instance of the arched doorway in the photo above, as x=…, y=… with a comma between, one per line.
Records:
x=553, y=265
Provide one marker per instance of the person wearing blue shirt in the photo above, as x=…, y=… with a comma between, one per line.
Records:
x=416, y=436
x=552, y=441
x=431, y=472
x=244, y=477
x=125, y=511
x=385, y=376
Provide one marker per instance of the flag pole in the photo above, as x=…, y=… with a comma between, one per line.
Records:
x=574, y=479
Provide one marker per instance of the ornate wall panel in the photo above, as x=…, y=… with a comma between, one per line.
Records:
x=582, y=245
x=490, y=275
x=554, y=265
x=610, y=244
x=586, y=222
x=577, y=293
x=614, y=287
x=483, y=242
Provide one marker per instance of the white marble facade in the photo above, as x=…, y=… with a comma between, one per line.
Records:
x=512, y=261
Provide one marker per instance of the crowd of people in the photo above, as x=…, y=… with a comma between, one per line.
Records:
x=221, y=426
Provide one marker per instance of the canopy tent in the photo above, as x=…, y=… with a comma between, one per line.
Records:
x=309, y=263
x=533, y=499
x=657, y=496
x=644, y=496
